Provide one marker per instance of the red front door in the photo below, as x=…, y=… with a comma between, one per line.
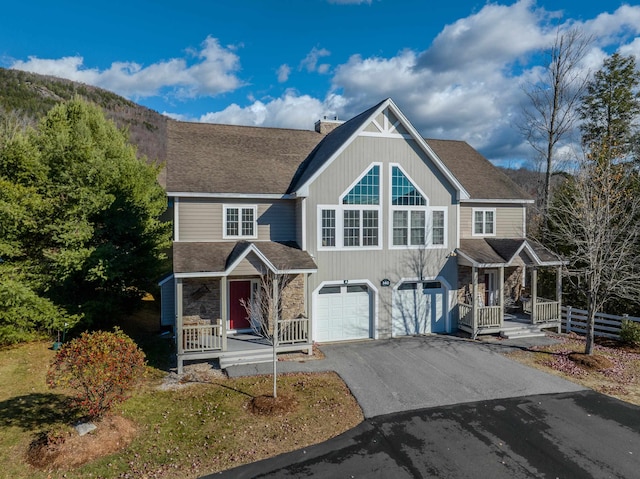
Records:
x=239, y=290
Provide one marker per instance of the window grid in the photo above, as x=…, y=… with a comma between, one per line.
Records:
x=328, y=227
x=403, y=191
x=370, y=227
x=247, y=221
x=352, y=227
x=437, y=228
x=232, y=222
x=484, y=222
x=400, y=223
x=366, y=191
x=418, y=228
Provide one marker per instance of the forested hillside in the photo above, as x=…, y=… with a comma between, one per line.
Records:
x=33, y=95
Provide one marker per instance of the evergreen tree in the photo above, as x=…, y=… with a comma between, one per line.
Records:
x=610, y=109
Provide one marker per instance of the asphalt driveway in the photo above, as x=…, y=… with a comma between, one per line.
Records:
x=568, y=435
x=389, y=376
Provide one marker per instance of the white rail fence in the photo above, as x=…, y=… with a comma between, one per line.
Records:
x=607, y=325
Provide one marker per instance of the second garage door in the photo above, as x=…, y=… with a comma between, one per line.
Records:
x=343, y=312
x=419, y=308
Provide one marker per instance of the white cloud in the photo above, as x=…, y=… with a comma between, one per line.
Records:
x=310, y=62
x=289, y=111
x=283, y=73
x=213, y=71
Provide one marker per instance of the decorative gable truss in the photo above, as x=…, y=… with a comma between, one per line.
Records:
x=386, y=124
x=356, y=221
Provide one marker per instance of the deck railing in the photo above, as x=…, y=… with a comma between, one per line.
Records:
x=488, y=316
x=291, y=331
x=547, y=310
x=202, y=337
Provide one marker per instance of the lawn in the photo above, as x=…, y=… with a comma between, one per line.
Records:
x=614, y=371
x=183, y=432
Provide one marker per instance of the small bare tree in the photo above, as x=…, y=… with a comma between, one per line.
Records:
x=595, y=222
x=551, y=112
x=264, y=311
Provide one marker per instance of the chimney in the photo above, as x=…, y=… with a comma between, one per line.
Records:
x=326, y=126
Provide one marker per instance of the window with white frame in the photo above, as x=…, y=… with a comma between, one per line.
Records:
x=355, y=222
x=484, y=222
x=240, y=222
x=413, y=222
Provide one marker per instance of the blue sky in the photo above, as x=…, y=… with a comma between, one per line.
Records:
x=455, y=68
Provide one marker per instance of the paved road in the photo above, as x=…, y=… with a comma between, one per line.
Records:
x=388, y=376
x=569, y=435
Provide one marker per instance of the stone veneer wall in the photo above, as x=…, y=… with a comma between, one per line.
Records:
x=293, y=298
x=201, y=300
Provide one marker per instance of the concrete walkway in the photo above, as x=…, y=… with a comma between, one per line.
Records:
x=390, y=376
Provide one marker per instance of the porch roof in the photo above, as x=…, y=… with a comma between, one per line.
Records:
x=496, y=252
x=202, y=259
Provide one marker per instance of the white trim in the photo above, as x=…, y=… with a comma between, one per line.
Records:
x=386, y=135
x=239, y=207
x=359, y=178
x=484, y=222
x=339, y=217
x=457, y=245
x=245, y=253
x=496, y=200
x=251, y=196
x=176, y=219
x=373, y=308
x=201, y=274
x=303, y=225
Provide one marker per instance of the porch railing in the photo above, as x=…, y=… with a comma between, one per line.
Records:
x=201, y=337
x=546, y=310
x=488, y=316
x=291, y=331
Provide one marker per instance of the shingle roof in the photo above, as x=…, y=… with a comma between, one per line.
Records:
x=477, y=174
x=209, y=158
x=209, y=257
x=503, y=250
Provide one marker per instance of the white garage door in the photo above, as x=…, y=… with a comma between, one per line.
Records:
x=343, y=312
x=419, y=308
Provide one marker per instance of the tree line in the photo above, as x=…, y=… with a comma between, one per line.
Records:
x=593, y=219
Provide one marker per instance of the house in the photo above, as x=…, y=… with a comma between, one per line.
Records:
x=379, y=232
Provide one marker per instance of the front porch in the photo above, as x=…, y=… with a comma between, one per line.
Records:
x=493, y=300
x=212, y=341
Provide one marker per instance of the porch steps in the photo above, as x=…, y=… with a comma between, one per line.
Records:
x=521, y=331
x=245, y=357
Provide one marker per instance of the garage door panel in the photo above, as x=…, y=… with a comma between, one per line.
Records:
x=419, y=308
x=342, y=313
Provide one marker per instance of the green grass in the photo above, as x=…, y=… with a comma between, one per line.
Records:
x=180, y=434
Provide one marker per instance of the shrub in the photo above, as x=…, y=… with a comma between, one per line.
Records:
x=630, y=332
x=101, y=366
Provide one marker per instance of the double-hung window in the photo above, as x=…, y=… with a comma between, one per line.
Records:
x=484, y=222
x=240, y=222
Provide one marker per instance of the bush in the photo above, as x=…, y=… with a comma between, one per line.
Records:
x=101, y=366
x=630, y=332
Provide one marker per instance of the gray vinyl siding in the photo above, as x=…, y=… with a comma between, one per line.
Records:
x=385, y=263
x=509, y=220
x=249, y=266
x=300, y=205
x=201, y=219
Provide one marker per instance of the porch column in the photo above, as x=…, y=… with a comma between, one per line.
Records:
x=474, y=301
x=501, y=294
x=224, y=309
x=534, y=293
x=559, y=296
x=179, y=332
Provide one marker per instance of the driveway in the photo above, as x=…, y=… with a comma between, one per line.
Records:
x=388, y=376
x=568, y=435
